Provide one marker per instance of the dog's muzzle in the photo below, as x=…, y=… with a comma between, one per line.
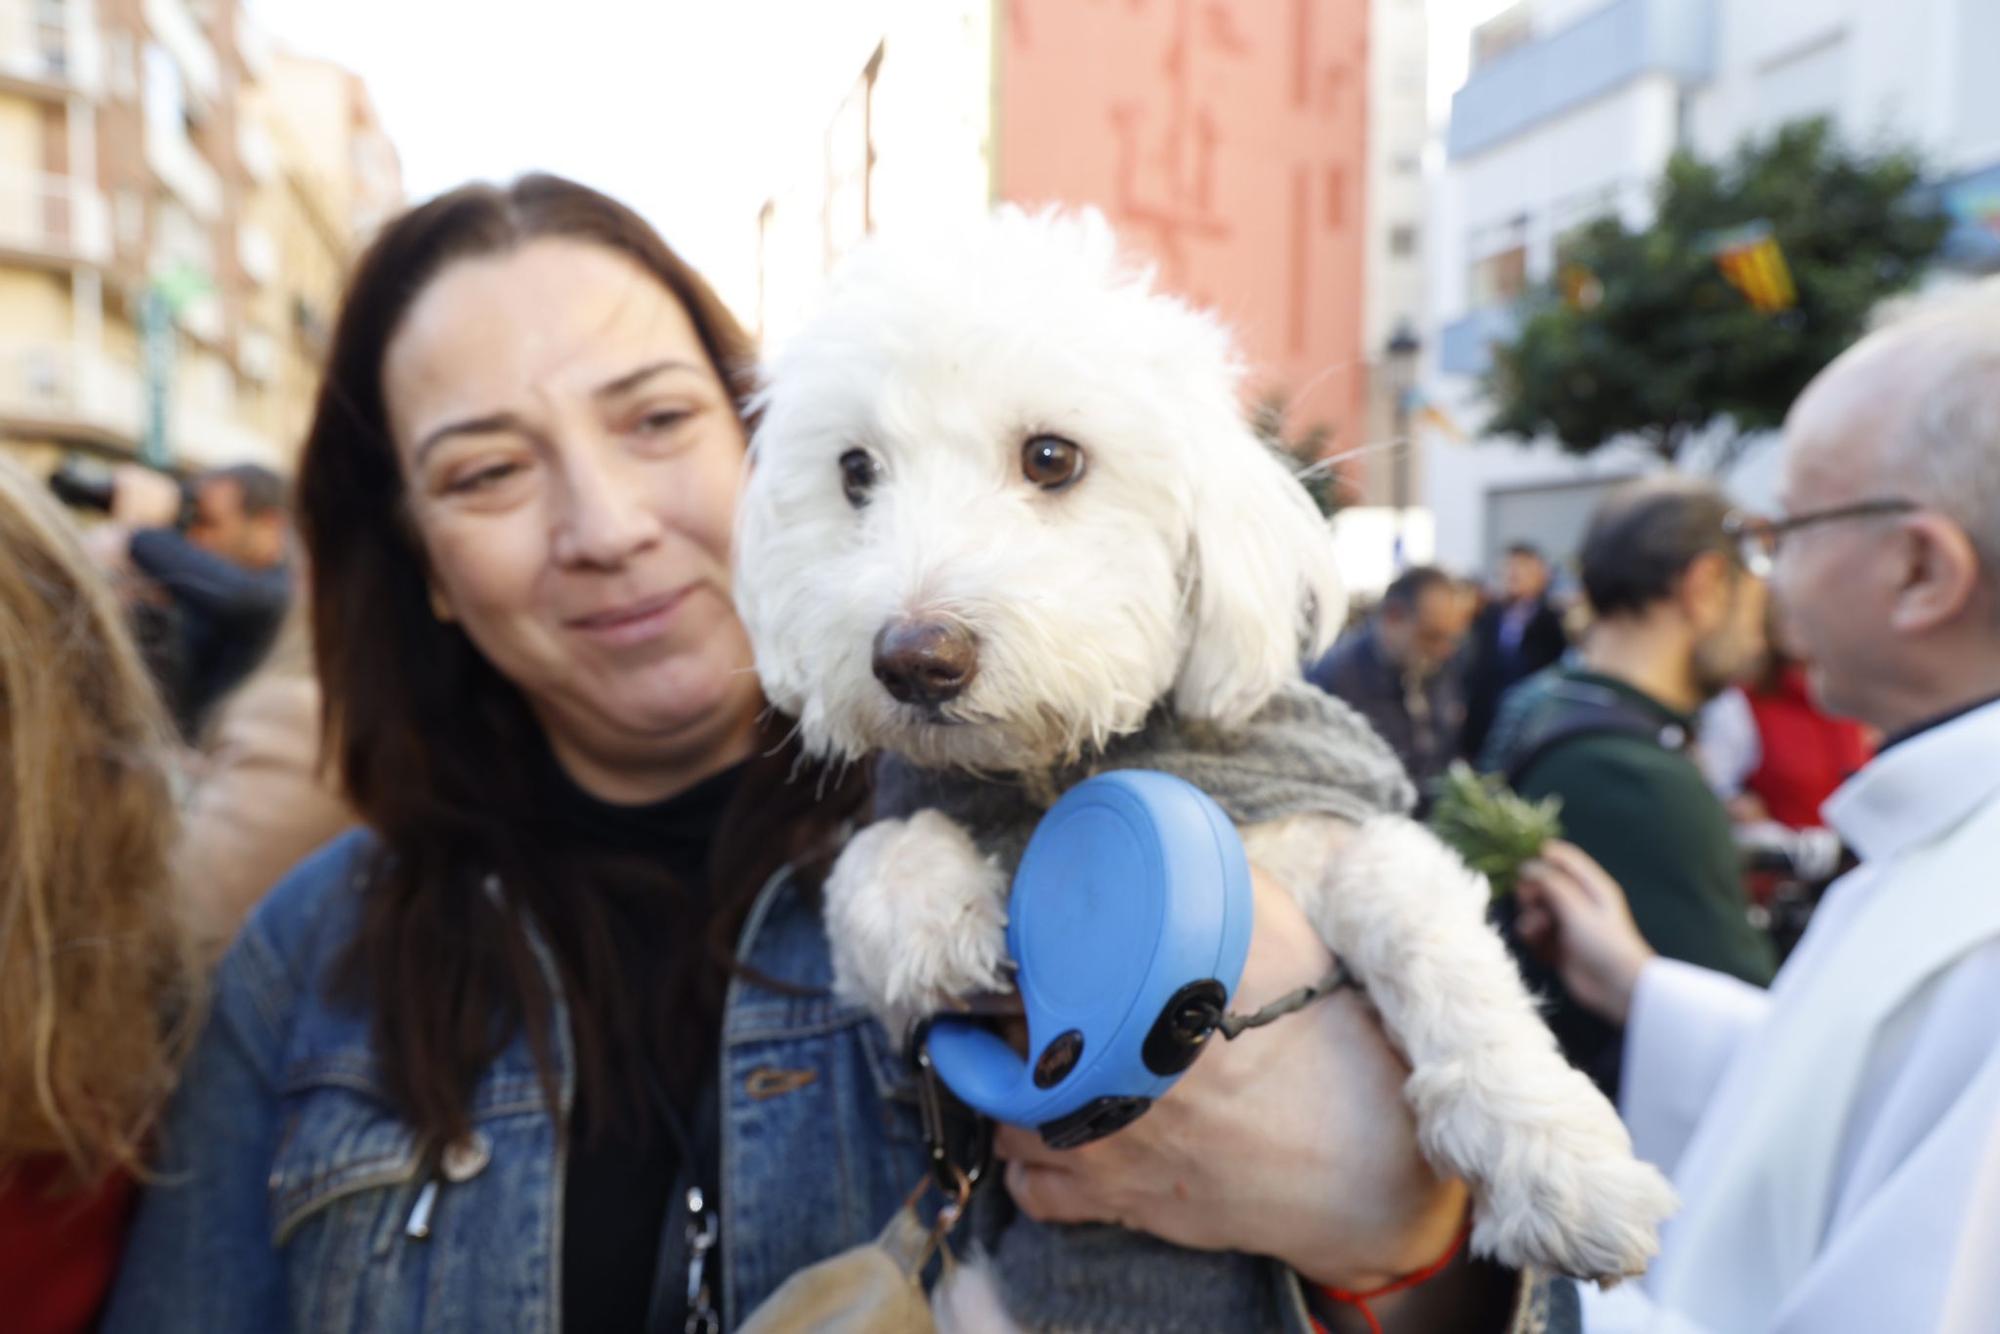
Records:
x=925, y=663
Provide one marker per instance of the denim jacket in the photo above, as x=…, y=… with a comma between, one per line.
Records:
x=289, y=1191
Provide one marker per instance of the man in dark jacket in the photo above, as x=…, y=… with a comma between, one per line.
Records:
x=1512, y=639
x=1678, y=619
x=224, y=579
x=1399, y=671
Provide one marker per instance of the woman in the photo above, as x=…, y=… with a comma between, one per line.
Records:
x=95, y=981
x=551, y=1046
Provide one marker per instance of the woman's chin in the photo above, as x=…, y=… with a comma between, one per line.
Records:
x=723, y=705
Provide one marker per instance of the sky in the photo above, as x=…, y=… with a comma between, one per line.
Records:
x=684, y=109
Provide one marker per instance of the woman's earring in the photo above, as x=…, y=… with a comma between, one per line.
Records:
x=439, y=607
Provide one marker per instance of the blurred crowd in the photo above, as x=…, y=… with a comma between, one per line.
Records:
x=1504, y=673
x=488, y=1026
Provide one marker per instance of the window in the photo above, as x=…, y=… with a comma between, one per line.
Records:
x=52, y=37
x=1501, y=34
x=1403, y=240
x=128, y=209
x=1500, y=277
x=1499, y=262
x=120, y=66
x=166, y=97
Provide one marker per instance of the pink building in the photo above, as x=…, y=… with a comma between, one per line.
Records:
x=1230, y=140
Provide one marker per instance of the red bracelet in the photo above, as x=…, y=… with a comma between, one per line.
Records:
x=1360, y=1300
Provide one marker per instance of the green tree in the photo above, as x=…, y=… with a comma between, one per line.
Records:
x=1641, y=334
x=1305, y=451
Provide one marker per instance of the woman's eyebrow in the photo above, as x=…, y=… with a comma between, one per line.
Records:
x=507, y=421
x=487, y=425
x=631, y=380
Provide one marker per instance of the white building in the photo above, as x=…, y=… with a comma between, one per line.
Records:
x=1570, y=111
x=1394, y=244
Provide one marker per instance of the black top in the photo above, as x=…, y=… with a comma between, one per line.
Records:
x=227, y=618
x=619, y=1182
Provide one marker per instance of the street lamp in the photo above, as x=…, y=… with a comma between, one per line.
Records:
x=1400, y=359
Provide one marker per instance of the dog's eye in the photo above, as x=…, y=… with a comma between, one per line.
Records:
x=857, y=476
x=1051, y=462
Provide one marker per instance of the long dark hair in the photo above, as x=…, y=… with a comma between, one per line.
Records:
x=438, y=751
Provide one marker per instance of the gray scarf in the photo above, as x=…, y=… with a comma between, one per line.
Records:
x=1304, y=753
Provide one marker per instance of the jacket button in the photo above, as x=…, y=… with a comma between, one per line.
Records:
x=466, y=1158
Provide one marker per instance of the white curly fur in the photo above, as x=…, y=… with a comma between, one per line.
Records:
x=1178, y=565
x=1554, y=1178
x=1185, y=564
x=917, y=917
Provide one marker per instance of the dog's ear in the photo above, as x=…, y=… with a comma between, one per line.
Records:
x=1264, y=593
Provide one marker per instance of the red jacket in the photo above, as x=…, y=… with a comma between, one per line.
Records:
x=58, y=1248
x=1806, y=753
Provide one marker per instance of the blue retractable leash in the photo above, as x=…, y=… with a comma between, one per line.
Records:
x=1129, y=923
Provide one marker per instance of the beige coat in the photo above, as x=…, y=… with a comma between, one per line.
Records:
x=257, y=804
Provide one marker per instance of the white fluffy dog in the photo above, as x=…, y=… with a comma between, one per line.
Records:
x=1003, y=509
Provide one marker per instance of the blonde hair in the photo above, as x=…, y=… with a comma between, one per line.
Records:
x=97, y=988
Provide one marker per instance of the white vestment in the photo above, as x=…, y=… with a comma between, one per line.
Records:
x=1836, y=1142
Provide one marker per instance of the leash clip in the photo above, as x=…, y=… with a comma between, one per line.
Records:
x=958, y=1142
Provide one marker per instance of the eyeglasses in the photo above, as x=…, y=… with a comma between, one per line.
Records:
x=1757, y=538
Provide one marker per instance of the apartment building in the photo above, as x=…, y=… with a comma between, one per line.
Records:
x=1571, y=110
x=1266, y=156
x=164, y=281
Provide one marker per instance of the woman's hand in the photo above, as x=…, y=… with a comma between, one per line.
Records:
x=1575, y=916
x=1292, y=1141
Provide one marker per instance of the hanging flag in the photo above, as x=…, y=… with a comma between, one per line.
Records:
x=1581, y=289
x=1754, y=264
x=1435, y=417
x=1426, y=411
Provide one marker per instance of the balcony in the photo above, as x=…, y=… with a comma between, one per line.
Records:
x=53, y=220
x=182, y=168
x=1541, y=79
x=177, y=29
x=58, y=390
x=1465, y=346
x=50, y=51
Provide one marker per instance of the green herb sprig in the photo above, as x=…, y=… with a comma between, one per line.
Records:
x=1490, y=826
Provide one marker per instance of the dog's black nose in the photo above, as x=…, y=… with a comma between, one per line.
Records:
x=925, y=662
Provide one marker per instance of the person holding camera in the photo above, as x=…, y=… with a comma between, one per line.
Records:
x=212, y=557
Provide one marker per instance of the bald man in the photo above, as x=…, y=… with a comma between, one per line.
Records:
x=1836, y=1141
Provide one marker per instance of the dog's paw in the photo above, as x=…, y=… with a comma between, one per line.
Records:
x=917, y=916
x=1602, y=1222
x=1558, y=1187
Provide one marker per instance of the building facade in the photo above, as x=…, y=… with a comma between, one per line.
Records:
x=1243, y=147
x=148, y=299
x=1570, y=112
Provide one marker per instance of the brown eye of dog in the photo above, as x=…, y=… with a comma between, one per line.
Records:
x=857, y=476
x=1051, y=462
